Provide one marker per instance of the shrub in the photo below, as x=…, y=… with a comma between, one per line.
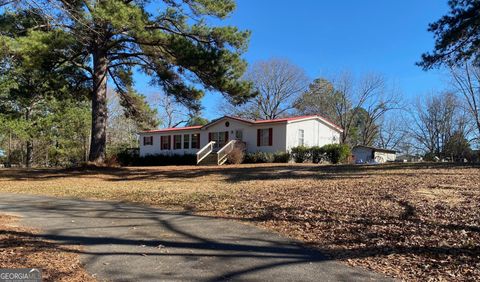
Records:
x=236, y=156
x=127, y=156
x=336, y=153
x=317, y=154
x=130, y=157
x=281, y=157
x=300, y=154
x=258, y=157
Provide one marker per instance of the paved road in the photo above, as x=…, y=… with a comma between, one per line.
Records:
x=124, y=242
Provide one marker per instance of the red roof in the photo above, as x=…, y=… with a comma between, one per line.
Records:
x=173, y=129
x=287, y=119
x=283, y=119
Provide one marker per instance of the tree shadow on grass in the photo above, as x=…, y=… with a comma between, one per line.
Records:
x=231, y=174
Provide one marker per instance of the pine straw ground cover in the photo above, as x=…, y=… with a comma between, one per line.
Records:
x=415, y=222
x=20, y=248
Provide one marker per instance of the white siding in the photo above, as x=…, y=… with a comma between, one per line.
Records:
x=249, y=134
x=154, y=149
x=284, y=135
x=367, y=154
x=386, y=157
x=316, y=133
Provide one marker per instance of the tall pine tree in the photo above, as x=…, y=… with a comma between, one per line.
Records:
x=169, y=40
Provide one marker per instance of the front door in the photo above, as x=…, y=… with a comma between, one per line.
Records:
x=239, y=135
x=220, y=138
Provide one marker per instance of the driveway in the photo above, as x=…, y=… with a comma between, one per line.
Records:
x=125, y=242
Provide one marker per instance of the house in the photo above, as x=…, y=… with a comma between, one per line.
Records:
x=365, y=154
x=407, y=158
x=220, y=136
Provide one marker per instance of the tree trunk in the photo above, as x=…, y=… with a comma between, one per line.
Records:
x=99, y=107
x=29, y=158
x=9, y=147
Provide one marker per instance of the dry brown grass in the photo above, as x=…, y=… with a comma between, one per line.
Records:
x=409, y=221
x=21, y=248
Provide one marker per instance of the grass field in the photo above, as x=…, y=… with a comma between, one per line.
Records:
x=409, y=221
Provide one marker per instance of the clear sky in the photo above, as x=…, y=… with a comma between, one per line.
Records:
x=324, y=37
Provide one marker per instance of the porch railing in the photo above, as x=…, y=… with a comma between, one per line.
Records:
x=205, y=151
x=227, y=149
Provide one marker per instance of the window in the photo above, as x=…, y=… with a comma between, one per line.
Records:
x=264, y=137
x=165, y=142
x=239, y=134
x=147, y=140
x=220, y=138
x=301, y=137
x=186, y=141
x=196, y=141
x=177, y=142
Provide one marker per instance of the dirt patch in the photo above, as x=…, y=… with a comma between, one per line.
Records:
x=21, y=248
x=415, y=222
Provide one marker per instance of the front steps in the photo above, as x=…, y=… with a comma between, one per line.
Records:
x=210, y=159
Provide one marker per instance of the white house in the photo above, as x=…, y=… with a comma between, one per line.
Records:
x=365, y=154
x=221, y=135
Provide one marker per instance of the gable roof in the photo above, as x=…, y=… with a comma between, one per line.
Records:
x=248, y=121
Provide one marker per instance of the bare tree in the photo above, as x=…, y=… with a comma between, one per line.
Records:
x=367, y=99
x=392, y=133
x=122, y=131
x=435, y=120
x=172, y=113
x=278, y=83
x=466, y=81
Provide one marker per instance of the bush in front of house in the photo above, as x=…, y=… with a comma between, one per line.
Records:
x=131, y=157
x=317, y=154
x=263, y=157
x=236, y=156
x=126, y=156
x=281, y=157
x=301, y=154
x=334, y=153
x=174, y=159
x=258, y=157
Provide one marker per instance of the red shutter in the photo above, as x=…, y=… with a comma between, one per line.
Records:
x=258, y=137
x=270, y=136
x=209, y=137
x=226, y=136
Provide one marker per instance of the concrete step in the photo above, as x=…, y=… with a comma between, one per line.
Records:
x=209, y=160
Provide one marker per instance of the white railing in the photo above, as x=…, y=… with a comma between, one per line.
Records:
x=205, y=151
x=224, y=151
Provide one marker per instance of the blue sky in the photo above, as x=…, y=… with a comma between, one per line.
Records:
x=324, y=37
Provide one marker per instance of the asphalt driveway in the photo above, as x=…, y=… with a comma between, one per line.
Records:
x=125, y=242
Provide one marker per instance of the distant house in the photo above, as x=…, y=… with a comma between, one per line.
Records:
x=218, y=137
x=407, y=158
x=365, y=154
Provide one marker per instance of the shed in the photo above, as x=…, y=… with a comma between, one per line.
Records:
x=365, y=154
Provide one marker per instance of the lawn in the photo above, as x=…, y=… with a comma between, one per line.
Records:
x=408, y=221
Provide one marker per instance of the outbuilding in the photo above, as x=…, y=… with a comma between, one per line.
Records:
x=366, y=154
